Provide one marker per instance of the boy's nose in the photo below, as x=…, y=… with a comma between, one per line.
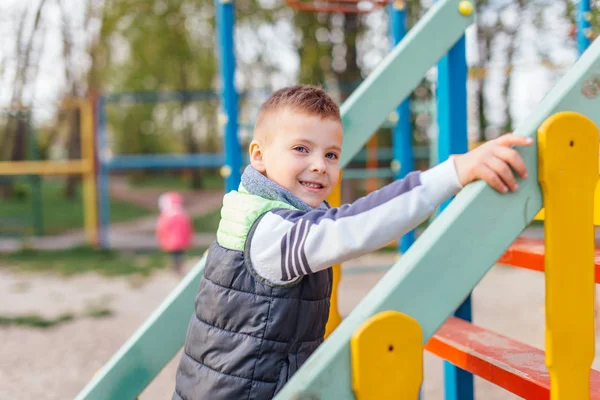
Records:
x=318, y=165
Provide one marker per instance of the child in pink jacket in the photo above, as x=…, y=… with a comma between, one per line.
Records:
x=174, y=229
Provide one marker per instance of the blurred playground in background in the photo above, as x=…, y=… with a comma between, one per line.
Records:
x=82, y=173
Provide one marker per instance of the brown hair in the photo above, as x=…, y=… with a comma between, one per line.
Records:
x=308, y=99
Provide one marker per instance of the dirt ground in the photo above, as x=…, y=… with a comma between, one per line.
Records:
x=55, y=363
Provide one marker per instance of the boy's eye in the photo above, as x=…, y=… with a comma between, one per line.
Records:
x=301, y=149
x=332, y=156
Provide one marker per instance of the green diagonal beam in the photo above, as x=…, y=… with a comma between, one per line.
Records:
x=442, y=267
x=155, y=343
x=399, y=73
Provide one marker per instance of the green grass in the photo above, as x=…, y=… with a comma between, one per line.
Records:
x=37, y=321
x=34, y=320
x=207, y=223
x=58, y=213
x=84, y=259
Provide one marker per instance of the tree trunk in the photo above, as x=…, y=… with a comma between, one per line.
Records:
x=351, y=76
x=19, y=127
x=510, y=52
x=192, y=147
x=190, y=142
x=74, y=151
x=313, y=54
x=484, y=38
x=348, y=80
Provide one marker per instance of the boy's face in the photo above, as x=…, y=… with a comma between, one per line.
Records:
x=299, y=152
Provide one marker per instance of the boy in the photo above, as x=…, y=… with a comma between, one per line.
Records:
x=262, y=306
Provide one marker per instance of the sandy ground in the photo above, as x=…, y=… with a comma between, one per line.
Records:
x=55, y=363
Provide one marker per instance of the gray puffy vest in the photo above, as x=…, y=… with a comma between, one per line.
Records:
x=247, y=336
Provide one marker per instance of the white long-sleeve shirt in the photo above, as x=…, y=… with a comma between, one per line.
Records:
x=287, y=244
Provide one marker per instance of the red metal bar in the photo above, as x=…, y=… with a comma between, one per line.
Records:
x=528, y=253
x=510, y=364
x=336, y=6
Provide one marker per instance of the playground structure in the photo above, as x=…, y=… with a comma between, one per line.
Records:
x=84, y=166
x=410, y=308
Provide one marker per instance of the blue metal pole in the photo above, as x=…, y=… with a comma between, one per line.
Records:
x=402, y=132
x=452, y=139
x=583, y=25
x=225, y=12
x=103, y=184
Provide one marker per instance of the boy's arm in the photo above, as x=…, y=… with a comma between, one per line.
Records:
x=286, y=244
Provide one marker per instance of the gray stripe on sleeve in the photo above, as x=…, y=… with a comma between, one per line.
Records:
x=298, y=250
x=302, y=249
x=284, y=274
x=289, y=255
x=295, y=241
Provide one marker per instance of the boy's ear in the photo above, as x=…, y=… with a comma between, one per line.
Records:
x=257, y=156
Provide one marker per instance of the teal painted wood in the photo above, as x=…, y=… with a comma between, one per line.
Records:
x=399, y=73
x=150, y=348
x=453, y=254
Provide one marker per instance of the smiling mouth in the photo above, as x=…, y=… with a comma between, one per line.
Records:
x=312, y=185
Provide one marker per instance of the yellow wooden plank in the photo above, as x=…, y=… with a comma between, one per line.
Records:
x=568, y=174
x=335, y=200
x=387, y=357
x=89, y=179
x=73, y=167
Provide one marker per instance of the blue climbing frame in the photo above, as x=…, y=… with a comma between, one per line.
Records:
x=225, y=18
x=108, y=163
x=583, y=26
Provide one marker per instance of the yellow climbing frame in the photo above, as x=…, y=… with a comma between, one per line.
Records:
x=568, y=174
x=84, y=166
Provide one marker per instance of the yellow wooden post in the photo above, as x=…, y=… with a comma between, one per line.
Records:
x=335, y=200
x=541, y=215
x=89, y=177
x=387, y=357
x=568, y=173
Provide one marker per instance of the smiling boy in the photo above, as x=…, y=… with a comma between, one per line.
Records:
x=263, y=303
